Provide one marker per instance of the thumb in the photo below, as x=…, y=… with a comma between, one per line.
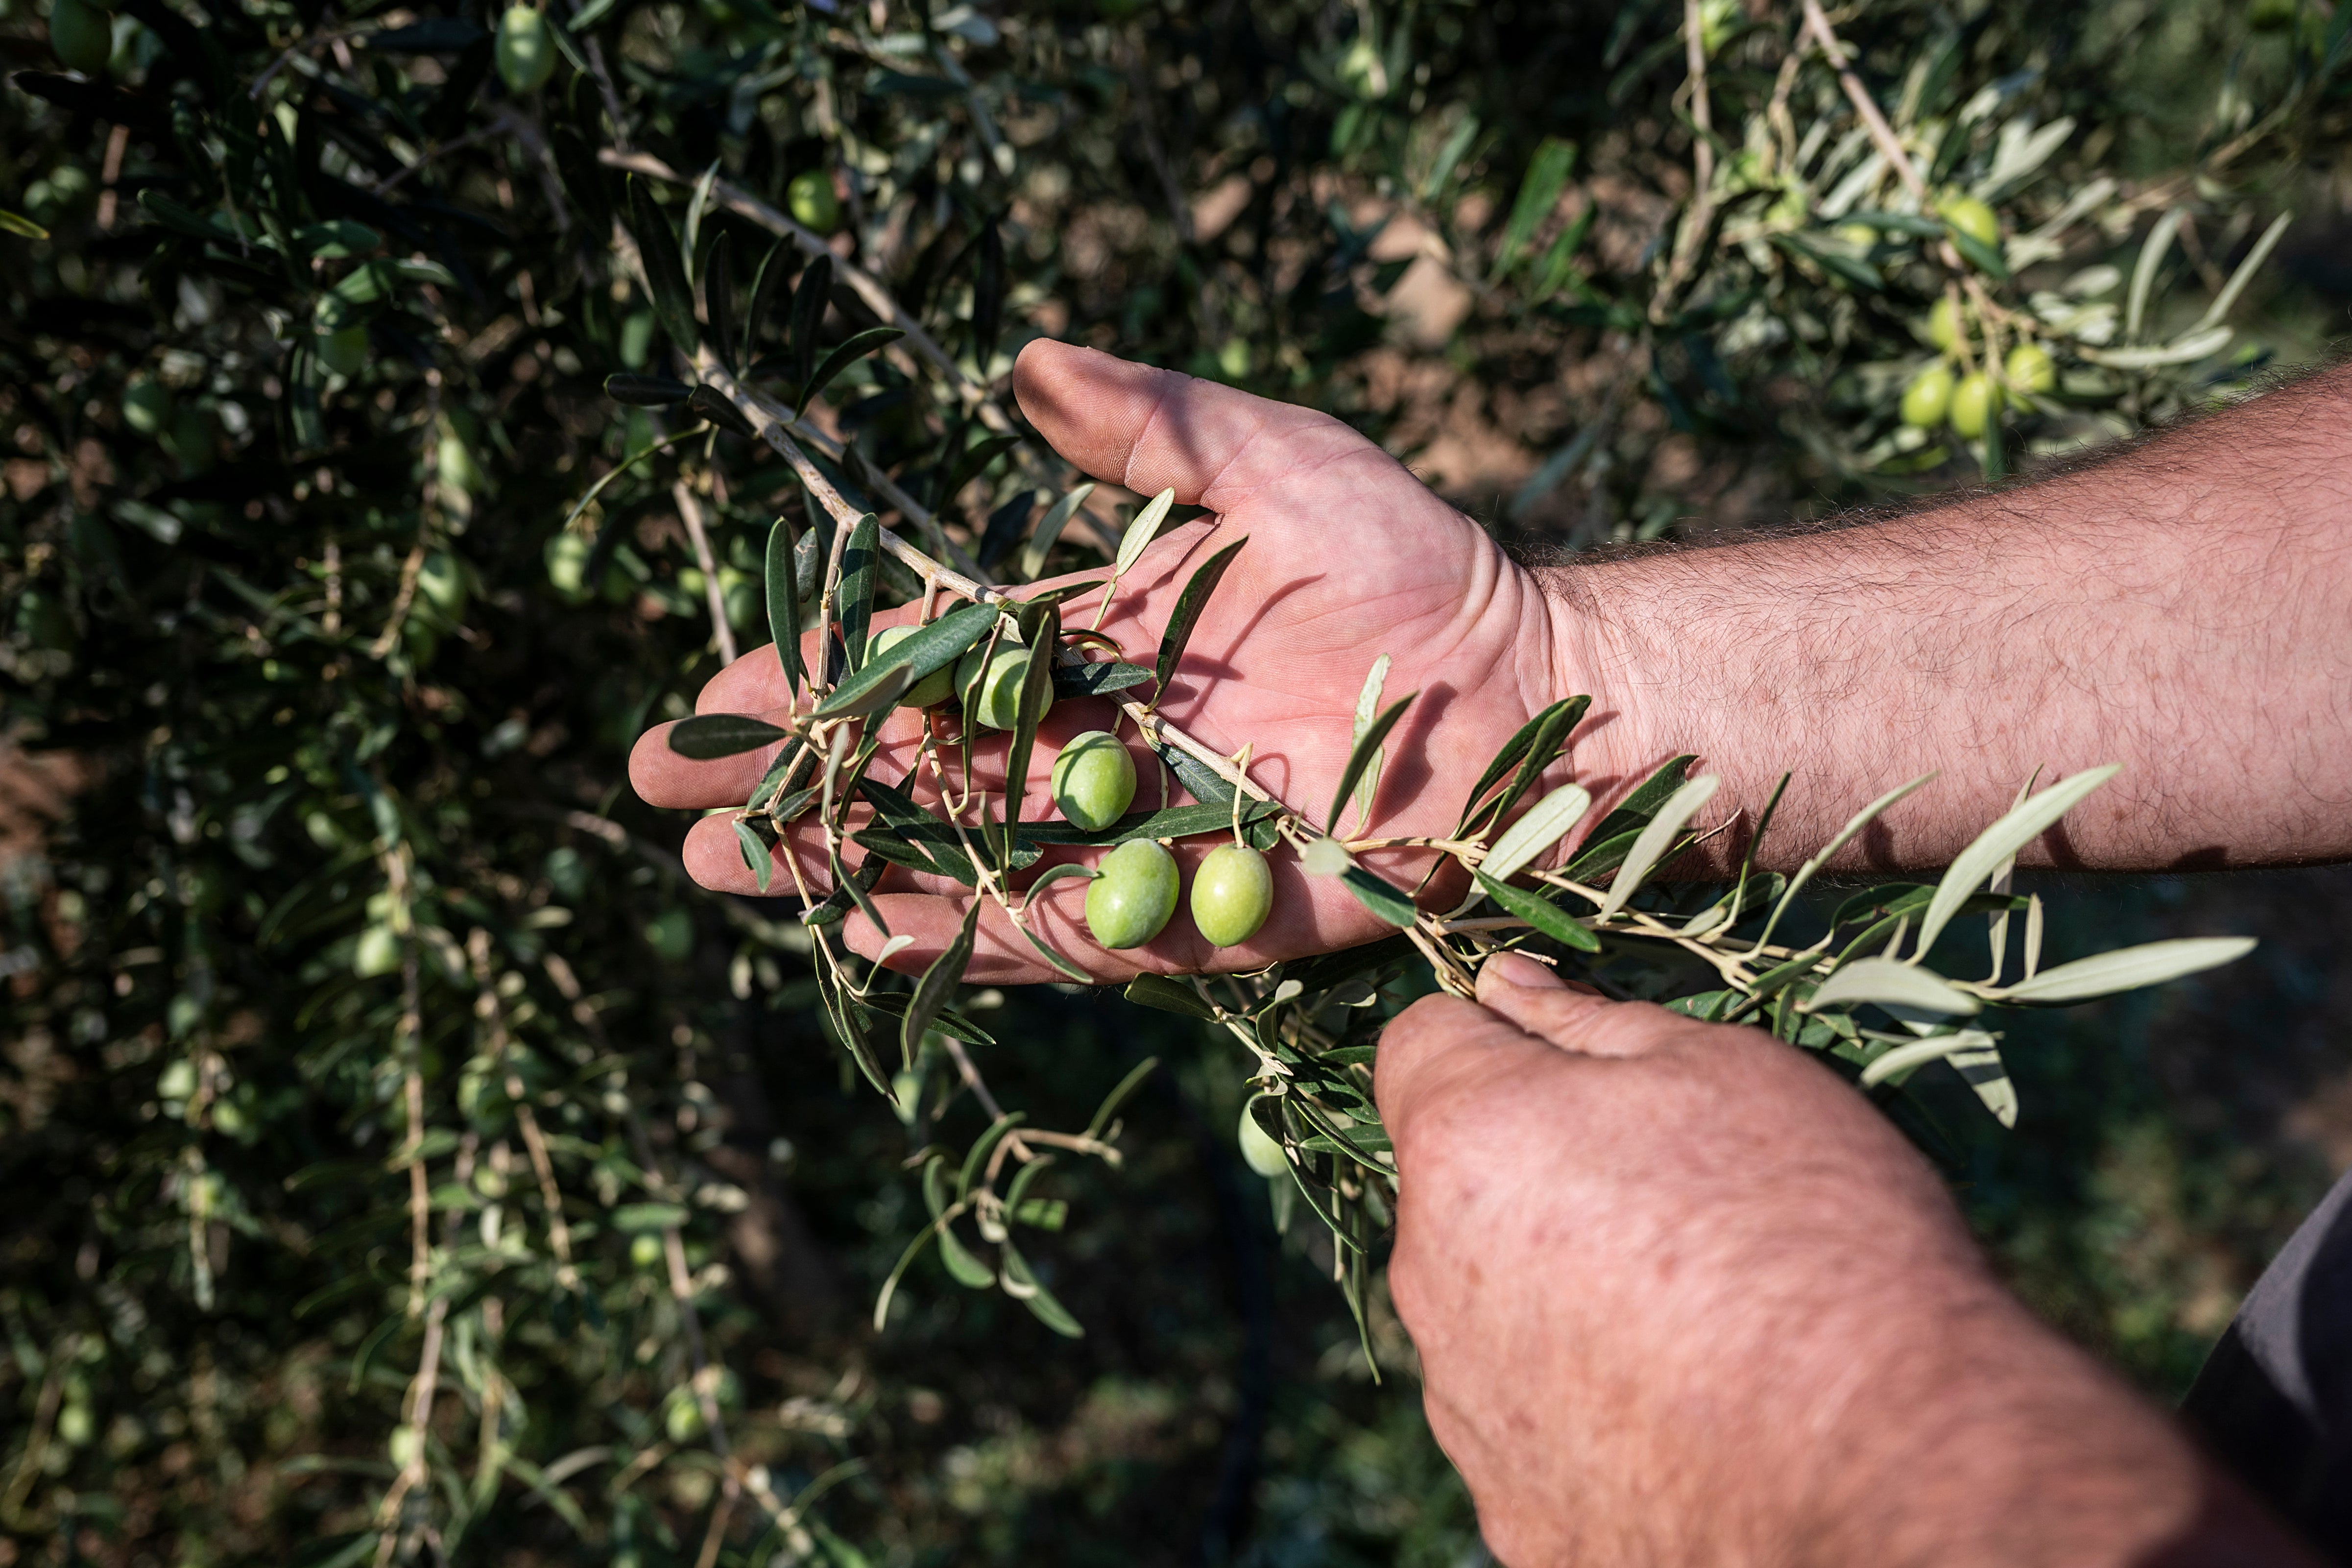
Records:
x=1151, y=429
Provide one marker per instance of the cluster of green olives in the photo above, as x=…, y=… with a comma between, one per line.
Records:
x=1971, y=403
x=1133, y=893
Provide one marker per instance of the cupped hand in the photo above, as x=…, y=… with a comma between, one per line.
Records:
x=1682, y=1296
x=1349, y=557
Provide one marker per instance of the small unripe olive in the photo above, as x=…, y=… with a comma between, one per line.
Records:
x=344, y=353
x=646, y=1250
x=1976, y=401
x=1260, y=1151
x=993, y=697
x=1232, y=893
x=1944, y=324
x=1928, y=397
x=147, y=405
x=928, y=692
x=1094, y=779
x=813, y=203
x=405, y=1445
x=2031, y=369
x=1132, y=895
x=377, y=953
x=1967, y=215
x=526, y=54
x=81, y=36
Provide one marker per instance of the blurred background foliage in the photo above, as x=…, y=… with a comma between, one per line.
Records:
x=330, y=907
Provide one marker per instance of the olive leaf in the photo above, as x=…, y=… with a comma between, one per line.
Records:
x=764, y=284
x=1539, y=912
x=1167, y=995
x=1189, y=606
x=1024, y=1287
x=673, y=301
x=926, y=652
x=784, y=602
x=940, y=980
x=1604, y=848
x=1049, y=529
x=1142, y=530
x=720, y=410
x=860, y=567
x=1972, y=866
x=1362, y=755
x=2129, y=969
x=1655, y=837
x=1886, y=981
x=1036, y=691
x=1096, y=679
x=756, y=855
x=719, y=298
x=1532, y=749
x=711, y=735
x=647, y=391
x=810, y=300
x=843, y=356
x=1537, y=830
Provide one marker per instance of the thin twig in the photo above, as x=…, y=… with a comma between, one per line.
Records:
x=689, y=511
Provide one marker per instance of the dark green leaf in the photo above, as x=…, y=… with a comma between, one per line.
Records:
x=939, y=983
x=1097, y=679
x=1626, y=822
x=1024, y=1287
x=710, y=735
x=1005, y=526
x=933, y=648
x=1167, y=995
x=1175, y=822
x=1189, y=606
x=783, y=604
x=1036, y=690
x=673, y=301
x=1541, y=913
x=969, y=465
x=861, y=566
x=975, y=1160
x=764, y=284
x=1534, y=748
x=1985, y=258
x=961, y=1266
x=1383, y=896
x=988, y=297
x=1826, y=256
x=1360, y=756
x=720, y=411
x=810, y=299
x=756, y=857
x=1053, y=955
x=719, y=298
x=894, y=1005
x=830, y=909
x=843, y=356
x=647, y=391
x=1539, y=190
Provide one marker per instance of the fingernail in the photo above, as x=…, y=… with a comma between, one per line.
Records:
x=1518, y=969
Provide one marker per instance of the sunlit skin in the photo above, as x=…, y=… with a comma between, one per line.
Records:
x=1349, y=558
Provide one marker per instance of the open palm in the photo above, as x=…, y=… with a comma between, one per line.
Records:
x=1349, y=557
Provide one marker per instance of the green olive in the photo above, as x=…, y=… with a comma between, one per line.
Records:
x=1975, y=403
x=1232, y=893
x=646, y=1250
x=2031, y=369
x=147, y=405
x=1132, y=895
x=377, y=953
x=344, y=353
x=995, y=699
x=928, y=692
x=813, y=206
x=526, y=54
x=1944, y=324
x=1929, y=396
x=1261, y=1151
x=1967, y=215
x=1094, y=779
x=81, y=36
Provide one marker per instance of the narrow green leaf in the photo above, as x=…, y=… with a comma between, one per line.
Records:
x=1053, y=955
x=647, y=391
x=1142, y=530
x=756, y=858
x=1677, y=810
x=709, y=402
x=719, y=298
x=1049, y=529
x=1101, y=1121
x=1542, y=825
x=1541, y=913
x=1548, y=171
x=967, y=467
x=1368, y=706
x=1376, y=893
x=2129, y=968
x=898, y=1269
x=1973, y=865
x=1845, y=836
x=1359, y=758
x=872, y=695
x=844, y=355
x=25, y=227
x=764, y=283
x=710, y=735
x=1189, y=606
x=1174, y=822
x=861, y=568
x=975, y=1160
x=1545, y=734
x=1918, y=1053
x=1605, y=848
x=1985, y=258
x=1023, y=1288
x=938, y=984
x=928, y=651
x=1167, y=995
x=967, y=1270
x=1508, y=757
x=1096, y=679
x=783, y=604
x=810, y=300
x=1036, y=691
x=1882, y=980
x=673, y=301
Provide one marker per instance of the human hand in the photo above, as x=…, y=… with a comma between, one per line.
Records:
x=1350, y=557
x=1682, y=1296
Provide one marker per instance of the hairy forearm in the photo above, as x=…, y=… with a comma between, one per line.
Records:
x=2184, y=608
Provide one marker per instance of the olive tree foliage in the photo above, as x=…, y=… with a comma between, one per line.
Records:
x=407, y=408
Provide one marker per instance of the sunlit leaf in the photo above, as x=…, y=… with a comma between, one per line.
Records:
x=710, y=735
x=1657, y=838
x=1539, y=912
x=2129, y=968
x=1882, y=980
x=1538, y=829
x=1972, y=866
